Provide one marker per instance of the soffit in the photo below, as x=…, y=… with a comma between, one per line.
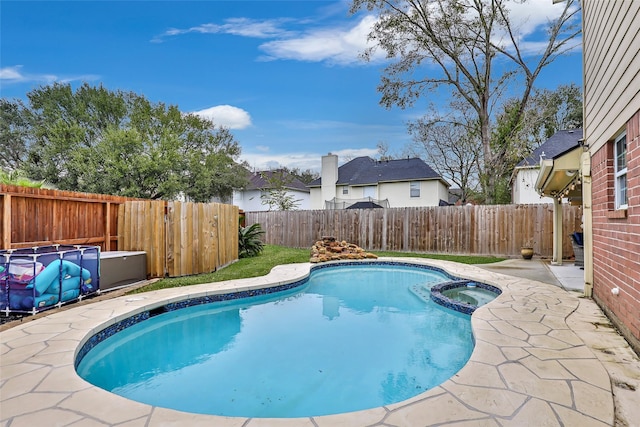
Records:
x=560, y=177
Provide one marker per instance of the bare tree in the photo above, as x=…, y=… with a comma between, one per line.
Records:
x=451, y=145
x=470, y=46
x=384, y=152
x=450, y=142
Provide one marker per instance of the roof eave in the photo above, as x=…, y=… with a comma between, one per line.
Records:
x=557, y=173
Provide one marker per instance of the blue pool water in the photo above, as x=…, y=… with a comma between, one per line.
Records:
x=351, y=338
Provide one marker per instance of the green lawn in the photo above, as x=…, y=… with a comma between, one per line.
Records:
x=277, y=255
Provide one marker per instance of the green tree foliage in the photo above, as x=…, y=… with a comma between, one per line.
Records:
x=550, y=111
x=101, y=141
x=470, y=48
x=15, y=124
x=305, y=176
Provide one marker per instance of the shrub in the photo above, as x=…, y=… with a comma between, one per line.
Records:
x=249, y=243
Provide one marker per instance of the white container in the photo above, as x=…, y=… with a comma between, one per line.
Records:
x=24, y=269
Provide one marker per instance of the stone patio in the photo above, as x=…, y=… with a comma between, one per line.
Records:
x=544, y=356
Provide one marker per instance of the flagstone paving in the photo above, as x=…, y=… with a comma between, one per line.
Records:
x=542, y=358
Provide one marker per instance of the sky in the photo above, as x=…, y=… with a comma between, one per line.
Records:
x=285, y=77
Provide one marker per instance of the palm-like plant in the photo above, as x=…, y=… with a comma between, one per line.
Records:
x=249, y=243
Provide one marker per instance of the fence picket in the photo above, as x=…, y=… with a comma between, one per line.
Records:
x=195, y=238
x=498, y=230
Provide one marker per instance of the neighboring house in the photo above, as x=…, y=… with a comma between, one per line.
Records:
x=251, y=198
x=385, y=183
x=525, y=174
x=610, y=162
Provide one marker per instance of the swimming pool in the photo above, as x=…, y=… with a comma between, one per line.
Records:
x=318, y=348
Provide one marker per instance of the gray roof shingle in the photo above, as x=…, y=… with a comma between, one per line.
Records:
x=559, y=143
x=367, y=171
x=259, y=181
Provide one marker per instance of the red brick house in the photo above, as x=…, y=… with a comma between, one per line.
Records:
x=616, y=226
x=607, y=166
x=611, y=48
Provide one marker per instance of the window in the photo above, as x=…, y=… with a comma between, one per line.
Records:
x=620, y=170
x=345, y=190
x=369, y=191
x=414, y=189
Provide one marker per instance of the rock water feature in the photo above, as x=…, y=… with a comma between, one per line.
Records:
x=328, y=249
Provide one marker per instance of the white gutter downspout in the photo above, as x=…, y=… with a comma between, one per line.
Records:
x=587, y=223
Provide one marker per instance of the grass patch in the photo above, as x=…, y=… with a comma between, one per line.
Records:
x=278, y=255
x=256, y=266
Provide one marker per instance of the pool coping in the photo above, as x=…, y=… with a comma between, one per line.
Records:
x=529, y=363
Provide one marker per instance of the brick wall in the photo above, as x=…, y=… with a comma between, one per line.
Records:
x=616, y=236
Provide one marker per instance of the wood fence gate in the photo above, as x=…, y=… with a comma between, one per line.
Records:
x=179, y=238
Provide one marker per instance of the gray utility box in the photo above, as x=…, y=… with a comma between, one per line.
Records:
x=121, y=268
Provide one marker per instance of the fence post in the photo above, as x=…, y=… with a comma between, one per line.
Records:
x=6, y=221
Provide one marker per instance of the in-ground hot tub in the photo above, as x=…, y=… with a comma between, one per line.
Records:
x=464, y=296
x=122, y=268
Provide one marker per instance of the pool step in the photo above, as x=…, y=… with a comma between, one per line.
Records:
x=421, y=292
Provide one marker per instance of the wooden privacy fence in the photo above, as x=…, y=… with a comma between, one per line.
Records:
x=36, y=217
x=180, y=238
x=499, y=230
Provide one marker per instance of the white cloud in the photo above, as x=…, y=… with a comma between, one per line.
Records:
x=272, y=165
x=11, y=73
x=81, y=78
x=15, y=75
x=252, y=28
x=260, y=161
x=333, y=45
x=529, y=16
x=245, y=27
x=340, y=43
x=352, y=153
x=226, y=116
x=529, y=21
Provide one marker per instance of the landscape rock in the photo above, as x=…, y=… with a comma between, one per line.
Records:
x=329, y=249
